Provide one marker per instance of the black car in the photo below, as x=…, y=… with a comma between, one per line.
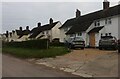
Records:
x=108, y=42
x=75, y=42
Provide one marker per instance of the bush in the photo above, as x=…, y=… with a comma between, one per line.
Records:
x=36, y=53
x=56, y=44
x=41, y=44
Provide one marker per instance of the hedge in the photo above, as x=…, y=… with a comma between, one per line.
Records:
x=41, y=44
x=56, y=44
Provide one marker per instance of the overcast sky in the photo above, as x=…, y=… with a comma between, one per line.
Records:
x=21, y=14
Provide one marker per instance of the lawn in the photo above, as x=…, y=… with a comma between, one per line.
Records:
x=35, y=53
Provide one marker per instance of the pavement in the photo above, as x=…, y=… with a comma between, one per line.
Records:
x=14, y=67
x=85, y=63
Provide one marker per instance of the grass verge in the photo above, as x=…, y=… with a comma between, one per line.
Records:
x=35, y=53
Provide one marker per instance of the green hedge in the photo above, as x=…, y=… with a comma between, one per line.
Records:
x=56, y=44
x=41, y=44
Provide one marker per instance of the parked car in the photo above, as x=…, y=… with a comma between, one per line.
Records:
x=119, y=45
x=75, y=42
x=108, y=42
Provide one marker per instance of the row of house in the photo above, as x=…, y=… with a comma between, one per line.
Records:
x=49, y=31
x=90, y=27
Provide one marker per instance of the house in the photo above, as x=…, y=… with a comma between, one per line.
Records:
x=16, y=35
x=3, y=37
x=0, y=37
x=25, y=34
x=91, y=26
x=49, y=31
x=67, y=25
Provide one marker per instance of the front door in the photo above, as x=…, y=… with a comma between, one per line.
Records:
x=92, y=39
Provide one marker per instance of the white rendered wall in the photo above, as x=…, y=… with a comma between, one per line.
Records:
x=56, y=31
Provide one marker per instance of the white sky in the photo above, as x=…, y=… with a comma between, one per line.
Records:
x=16, y=13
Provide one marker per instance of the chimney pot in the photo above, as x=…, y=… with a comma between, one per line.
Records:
x=106, y=4
x=39, y=24
x=13, y=31
x=27, y=27
x=78, y=13
x=20, y=28
x=7, y=34
x=50, y=21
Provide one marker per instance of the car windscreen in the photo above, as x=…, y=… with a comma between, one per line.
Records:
x=106, y=37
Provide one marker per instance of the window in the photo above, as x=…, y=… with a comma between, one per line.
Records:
x=105, y=21
x=79, y=34
x=109, y=21
x=46, y=32
x=97, y=23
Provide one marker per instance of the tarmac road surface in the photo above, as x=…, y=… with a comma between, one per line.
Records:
x=14, y=67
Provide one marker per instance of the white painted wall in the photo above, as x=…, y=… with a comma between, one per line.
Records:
x=56, y=31
x=108, y=28
x=119, y=27
x=38, y=35
x=24, y=38
x=63, y=36
x=53, y=33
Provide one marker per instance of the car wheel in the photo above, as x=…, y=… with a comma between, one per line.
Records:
x=114, y=48
x=82, y=48
x=118, y=50
x=100, y=48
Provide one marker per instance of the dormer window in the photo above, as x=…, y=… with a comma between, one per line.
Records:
x=79, y=34
x=105, y=21
x=108, y=21
x=97, y=23
x=46, y=32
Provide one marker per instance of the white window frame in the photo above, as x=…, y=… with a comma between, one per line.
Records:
x=97, y=23
x=108, y=21
x=79, y=34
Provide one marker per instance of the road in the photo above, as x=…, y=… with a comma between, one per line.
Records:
x=14, y=67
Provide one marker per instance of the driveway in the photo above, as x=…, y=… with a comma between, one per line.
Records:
x=14, y=67
x=86, y=63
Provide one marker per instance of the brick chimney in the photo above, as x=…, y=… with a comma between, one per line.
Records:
x=78, y=13
x=50, y=21
x=20, y=28
x=39, y=24
x=13, y=31
x=27, y=27
x=7, y=34
x=106, y=4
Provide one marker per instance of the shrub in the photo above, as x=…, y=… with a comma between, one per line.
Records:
x=56, y=44
x=41, y=44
